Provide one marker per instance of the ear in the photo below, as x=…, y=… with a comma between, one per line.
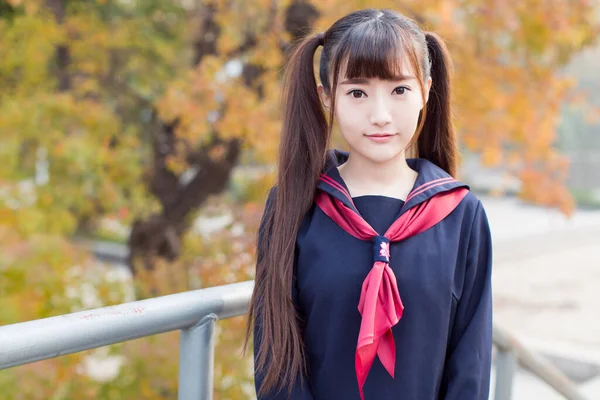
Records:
x=427, y=88
x=325, y=98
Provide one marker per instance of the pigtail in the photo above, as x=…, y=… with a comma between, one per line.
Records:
x=280, y=357
x=437, y=140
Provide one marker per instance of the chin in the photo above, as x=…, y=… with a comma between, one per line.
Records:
x=381, y=154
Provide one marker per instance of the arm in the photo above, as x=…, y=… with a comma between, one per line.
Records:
x=468, y=360
x=301, y=389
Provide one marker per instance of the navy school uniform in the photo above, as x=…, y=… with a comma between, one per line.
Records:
x=443, y=340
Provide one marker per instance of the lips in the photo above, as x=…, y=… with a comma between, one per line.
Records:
x=381, y=135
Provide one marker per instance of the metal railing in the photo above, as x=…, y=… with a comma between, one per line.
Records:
x=196, y=313
x=510, y=353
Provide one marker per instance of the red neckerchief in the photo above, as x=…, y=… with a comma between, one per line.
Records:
x=380, y=305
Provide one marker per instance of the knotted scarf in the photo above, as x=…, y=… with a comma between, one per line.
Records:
x=380, y=305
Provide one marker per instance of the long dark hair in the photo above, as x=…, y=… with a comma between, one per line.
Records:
x=366, y=44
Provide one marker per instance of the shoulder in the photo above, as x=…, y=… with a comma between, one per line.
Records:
x=471, y=202
x=474, y=204
x=270, y=201
x=471, y=212
x=272, y=193
x=475, y=218
x=269, y=210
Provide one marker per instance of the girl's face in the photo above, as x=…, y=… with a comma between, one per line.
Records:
x=378, y=118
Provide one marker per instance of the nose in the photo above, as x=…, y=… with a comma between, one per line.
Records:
x=380, y=114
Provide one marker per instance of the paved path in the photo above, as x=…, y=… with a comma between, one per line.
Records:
x=546, y=277
x=546, y=285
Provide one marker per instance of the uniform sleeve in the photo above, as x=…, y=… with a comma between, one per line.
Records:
x=468, y=362
x=301, y=389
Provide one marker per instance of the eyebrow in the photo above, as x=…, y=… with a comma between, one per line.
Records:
x=363, y=81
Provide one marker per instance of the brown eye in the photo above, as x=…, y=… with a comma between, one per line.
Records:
x=400, y=90
x=357, y=94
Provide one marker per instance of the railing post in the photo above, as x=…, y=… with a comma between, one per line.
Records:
x=506, y=366
x=196, y=360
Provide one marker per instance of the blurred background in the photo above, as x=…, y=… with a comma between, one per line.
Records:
x=138, y=140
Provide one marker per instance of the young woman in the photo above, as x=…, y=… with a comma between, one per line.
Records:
x=373, y=273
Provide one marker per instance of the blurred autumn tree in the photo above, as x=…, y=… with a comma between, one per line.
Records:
x=141, y=111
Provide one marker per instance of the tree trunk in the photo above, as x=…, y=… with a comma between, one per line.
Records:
x=58, y=8
x=160, y=234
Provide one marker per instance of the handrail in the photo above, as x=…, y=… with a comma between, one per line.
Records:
x=510, y=350
x=195, y=313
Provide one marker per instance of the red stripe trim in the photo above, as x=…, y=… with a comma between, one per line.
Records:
x=429, y=185
x=336, y=185
x=449, y=178
x=330, y=181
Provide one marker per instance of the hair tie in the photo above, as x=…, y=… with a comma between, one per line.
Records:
x=321, y=37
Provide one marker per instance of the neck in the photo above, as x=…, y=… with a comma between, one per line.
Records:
x=392, y=178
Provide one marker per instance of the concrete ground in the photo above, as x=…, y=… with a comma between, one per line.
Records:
x=546, y=281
